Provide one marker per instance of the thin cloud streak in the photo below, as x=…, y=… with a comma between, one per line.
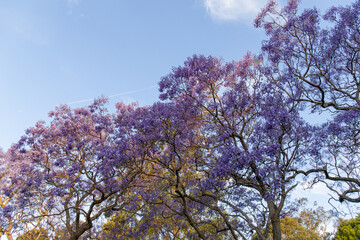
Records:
x=112, y=96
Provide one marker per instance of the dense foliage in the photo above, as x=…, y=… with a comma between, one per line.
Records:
x=348, y=229
x=216, y=158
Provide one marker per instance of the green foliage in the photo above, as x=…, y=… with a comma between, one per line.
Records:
x=316, y=220
x=34, y=234
x=291, y=229
x=348, y=229
x=123, y=225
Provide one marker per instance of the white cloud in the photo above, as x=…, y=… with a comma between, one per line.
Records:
x=73, y=2
x=71, y=5
x=234, y=10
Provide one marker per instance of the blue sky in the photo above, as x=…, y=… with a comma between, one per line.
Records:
x=56, y=52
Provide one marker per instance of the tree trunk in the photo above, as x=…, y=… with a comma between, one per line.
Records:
x=9, y=236
x=276, y=229
x=275, y=220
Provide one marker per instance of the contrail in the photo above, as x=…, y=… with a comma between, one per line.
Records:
x=114, y=95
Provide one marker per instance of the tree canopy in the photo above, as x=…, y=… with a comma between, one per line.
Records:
x=217, y=157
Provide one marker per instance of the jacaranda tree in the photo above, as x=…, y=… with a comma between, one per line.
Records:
x=73, y=171
x=8, y=216
x=165, y=136
x=314, y=59
x=222, y=143
x=13, y=219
